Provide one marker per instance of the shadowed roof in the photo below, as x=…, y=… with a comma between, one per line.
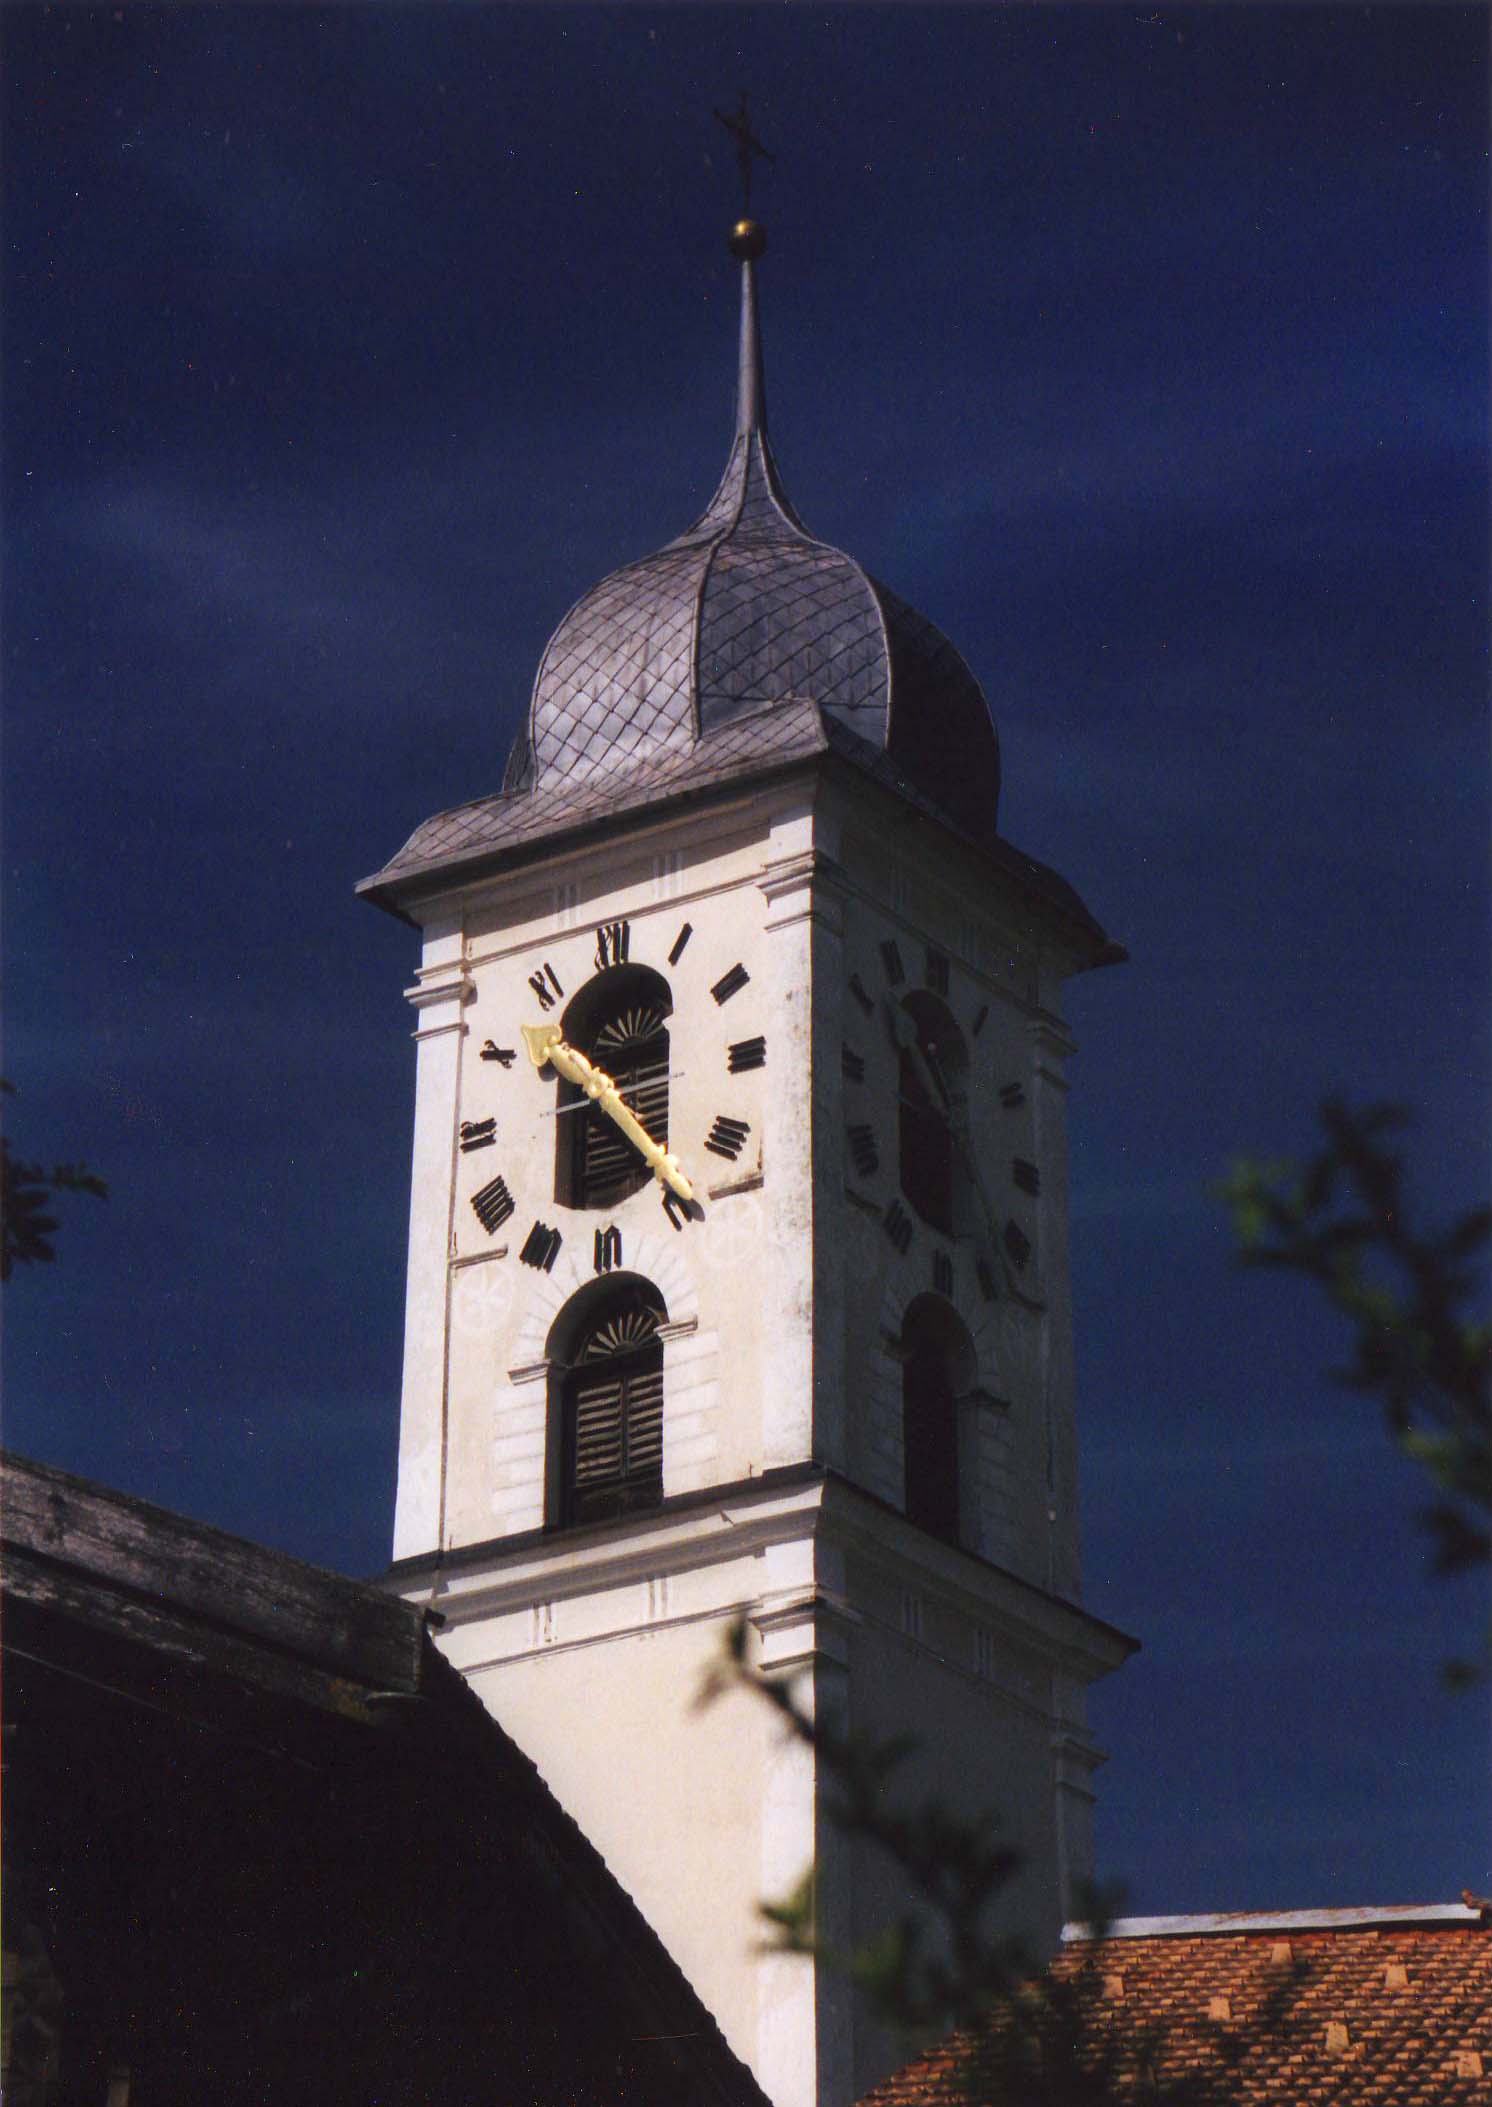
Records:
x=268, y=1848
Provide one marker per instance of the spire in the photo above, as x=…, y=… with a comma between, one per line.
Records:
x=748, y=240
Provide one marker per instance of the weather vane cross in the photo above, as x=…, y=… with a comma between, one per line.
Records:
x=747, y=145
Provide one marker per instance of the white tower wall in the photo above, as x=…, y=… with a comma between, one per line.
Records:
x=783, y=1453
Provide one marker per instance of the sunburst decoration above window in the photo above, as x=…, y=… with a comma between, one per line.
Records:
x=621, y=1331
x=629, y=1029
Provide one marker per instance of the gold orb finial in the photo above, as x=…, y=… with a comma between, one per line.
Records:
x=748, y=240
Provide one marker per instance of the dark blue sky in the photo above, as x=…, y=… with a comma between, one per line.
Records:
x=1144, y=349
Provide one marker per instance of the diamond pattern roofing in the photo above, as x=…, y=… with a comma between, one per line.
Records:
x=744, y=611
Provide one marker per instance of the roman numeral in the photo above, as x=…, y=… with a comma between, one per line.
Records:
x=493, y=1204
x=1017, y=1244
x=730, y=984
x=863, y=1151
x=978, y=1025
x=678, y=944
x=1012, y=1095
x=857, y=989
x=942, y=1273
x=546, y=985
x=492, y=1052
x=937, y=971
x=541, y=1247
x=984, y=1273
x=898, y=1225
x=1026, y=1175
x=853, y=1064
x=746, y=1053
x=726, y=1136
x=613, y=942
x=477, y=1134
x=896, y=972
x=608, y=1248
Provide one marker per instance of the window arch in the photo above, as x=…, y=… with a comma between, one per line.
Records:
x=938, y=1368
x=607, y=1400
x=619, y=1020
x=933, y=1098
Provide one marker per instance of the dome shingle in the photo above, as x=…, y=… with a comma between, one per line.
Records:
x=744, y=611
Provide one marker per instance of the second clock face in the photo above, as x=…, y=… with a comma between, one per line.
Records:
x=616, y=1070
x=937, y=1135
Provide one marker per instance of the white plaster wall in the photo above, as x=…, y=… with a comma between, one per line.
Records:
x=595, y=1665
x=785, y=1305
x=679, y=1819
x=740, y=1279
x=916, y=889
x=983, y=1745
x=439, y=997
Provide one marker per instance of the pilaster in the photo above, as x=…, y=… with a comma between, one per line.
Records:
x=440, y=992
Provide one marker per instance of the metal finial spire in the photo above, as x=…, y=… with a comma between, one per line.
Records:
x=747, y=144
x=751, y=388
x=748, y=241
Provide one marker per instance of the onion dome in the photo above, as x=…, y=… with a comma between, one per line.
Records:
x=746, y=612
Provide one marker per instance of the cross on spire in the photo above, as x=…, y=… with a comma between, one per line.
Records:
x=747, y=145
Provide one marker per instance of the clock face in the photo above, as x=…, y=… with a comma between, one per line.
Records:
x=937, y=1122
x=617, y=1077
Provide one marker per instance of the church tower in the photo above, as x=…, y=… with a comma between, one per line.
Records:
x=738, y=1278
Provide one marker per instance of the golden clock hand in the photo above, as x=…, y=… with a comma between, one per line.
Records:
x=547, y=1048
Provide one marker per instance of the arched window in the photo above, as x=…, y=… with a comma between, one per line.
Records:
x=610, y=1401
x=937, y=1369
x=620, y=1020
x=932, y=1089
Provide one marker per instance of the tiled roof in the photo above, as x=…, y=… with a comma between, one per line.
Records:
x=740, y=749
x=631, y=780
x=1353, y=2009
x=743, y=611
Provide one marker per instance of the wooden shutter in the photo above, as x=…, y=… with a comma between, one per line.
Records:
x=642, y=1419
x=930, y=1445
x=614, y=1404
x=597, y=1450
x=609, y=1166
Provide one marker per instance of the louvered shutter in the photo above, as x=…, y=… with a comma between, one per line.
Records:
x=597, y=1438
x=642, y=1420
x=930, y=1445
x=614, y=1407
x=610, y=1167
x=608, y=1161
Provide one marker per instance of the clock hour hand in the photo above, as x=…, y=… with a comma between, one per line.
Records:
x=908, y=1041
x=547, y=1048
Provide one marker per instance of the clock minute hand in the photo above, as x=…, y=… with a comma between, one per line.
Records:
x=547, y=1048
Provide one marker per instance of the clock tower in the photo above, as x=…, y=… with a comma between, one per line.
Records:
x=738, y=1276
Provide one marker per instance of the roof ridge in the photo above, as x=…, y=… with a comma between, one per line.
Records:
x=1261, y=1921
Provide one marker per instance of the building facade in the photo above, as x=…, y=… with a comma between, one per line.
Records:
x=738, y=1283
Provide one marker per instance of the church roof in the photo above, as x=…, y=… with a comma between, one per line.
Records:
x=744, y=611
x=1381, y=2007
x=744, y=645
x=754, y=745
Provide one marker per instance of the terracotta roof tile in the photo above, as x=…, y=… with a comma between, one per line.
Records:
x=1393, y=2013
